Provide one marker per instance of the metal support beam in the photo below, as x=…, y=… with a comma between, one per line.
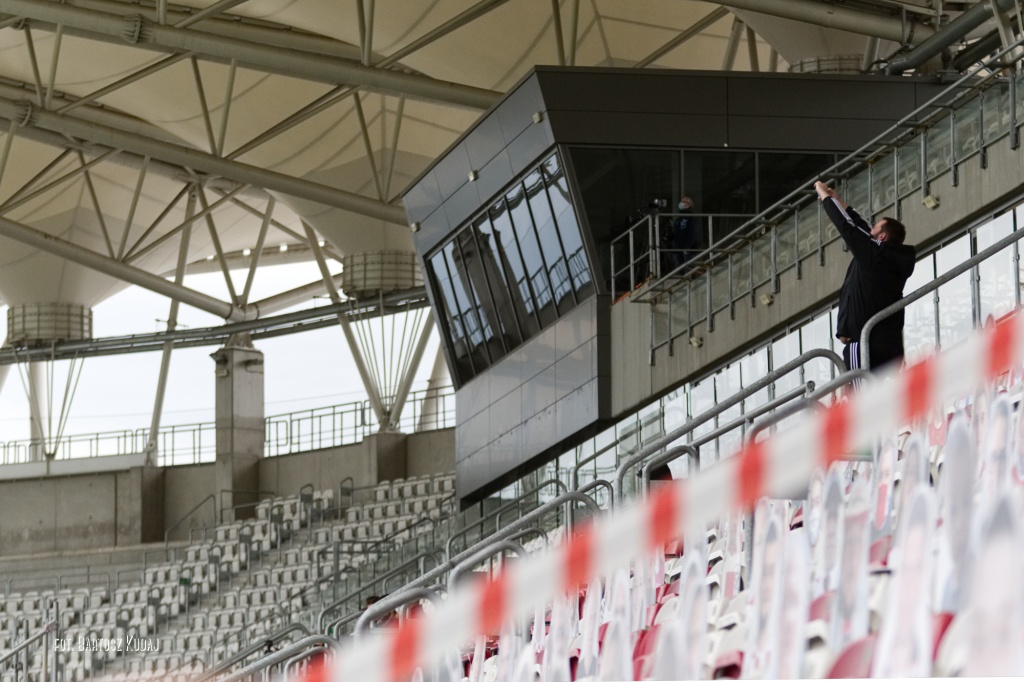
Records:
x=372, y=390
x=21, y=197
x=755, y=65
x=950, y=33
x=268, y=58
x=127, y=80
x=368, y=146
x=733, y=46
x=574, y=27
x=688, y=33
x=200, y=161
x=131, y=210
x=213, y=10
x=96, y=208
x=257, y=253
x=108, y=266
x=476, y=11
x=287, y=299
x=402, y=392
x=218, y=250
x=556, y=19
x=172, y=324
x=870, y=54
x=773, y=61
x=835, y=16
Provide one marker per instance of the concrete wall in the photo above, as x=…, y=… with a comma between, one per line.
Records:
x=81, y=512
x=430, y=452
x=184, y=488
x=126, y=507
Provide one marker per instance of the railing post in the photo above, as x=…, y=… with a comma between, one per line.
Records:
x=1014, y=132
x=925, y=181
x=897, y=212
x=632, y=261
x=953, y=168
x=653, y=262
x=775, y=260
x=711, y=318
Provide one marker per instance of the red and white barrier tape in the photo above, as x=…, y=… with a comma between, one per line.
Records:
x=777, y=467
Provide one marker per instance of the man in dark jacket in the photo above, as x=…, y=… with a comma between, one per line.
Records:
x=875, y=279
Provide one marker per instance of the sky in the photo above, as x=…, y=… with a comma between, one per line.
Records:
x=302, y=371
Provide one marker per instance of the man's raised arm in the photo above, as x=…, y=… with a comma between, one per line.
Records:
x=854, y=230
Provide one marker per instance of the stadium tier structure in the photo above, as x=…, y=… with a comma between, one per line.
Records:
x=506, y=181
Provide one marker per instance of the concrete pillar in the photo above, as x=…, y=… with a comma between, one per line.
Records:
x=239, y=419
x=38, y=409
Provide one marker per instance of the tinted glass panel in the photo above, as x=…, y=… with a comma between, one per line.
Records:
x=452, y=319
x=473, y=328
x=536, y=272
x=474, y=275
x=568, y=227
x=551, y=246
x=720, y=182
x=780, y=174
x=512, y=262
x=508, y=307
x=616, y=185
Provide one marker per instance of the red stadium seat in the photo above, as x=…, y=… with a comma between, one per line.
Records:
x=879, y=552
x=821, y=607
x=855, y=661
x=728, y=666
x=940, y=625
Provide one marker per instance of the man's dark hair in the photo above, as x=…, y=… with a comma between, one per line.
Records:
x=896, y=230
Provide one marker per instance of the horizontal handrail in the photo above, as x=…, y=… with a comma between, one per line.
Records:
x=252, y=649
x=921, y=292
x=495, y=548
x=194, y=442
x=283, y=655
x=809, y=402
x=734, y=399
x=398, y=570
x=479, y=523
x=48, y=627
x=906, y=128
x=504, y=533
x=390, y=603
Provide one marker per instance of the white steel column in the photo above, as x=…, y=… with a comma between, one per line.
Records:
x=372, y=390
x=39, y=412
x=402, y=394
x=172, y=323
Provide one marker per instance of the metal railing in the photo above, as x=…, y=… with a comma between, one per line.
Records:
x=286, y=434
x=933, y=286
x=645, y=250
x=963, y=121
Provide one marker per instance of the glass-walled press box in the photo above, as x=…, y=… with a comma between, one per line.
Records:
x=523, y=232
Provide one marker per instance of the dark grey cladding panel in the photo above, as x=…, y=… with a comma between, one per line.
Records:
x=494, y=176
x=627, y=129
x=527, y=148
x=796, y=134
x=516, y=112
x=433, y=229
x=820, y=97
x=634, y=92
x=925, y=91
x=462, y=204
x=484, y=141
x=423, y=198
x=452, y=171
